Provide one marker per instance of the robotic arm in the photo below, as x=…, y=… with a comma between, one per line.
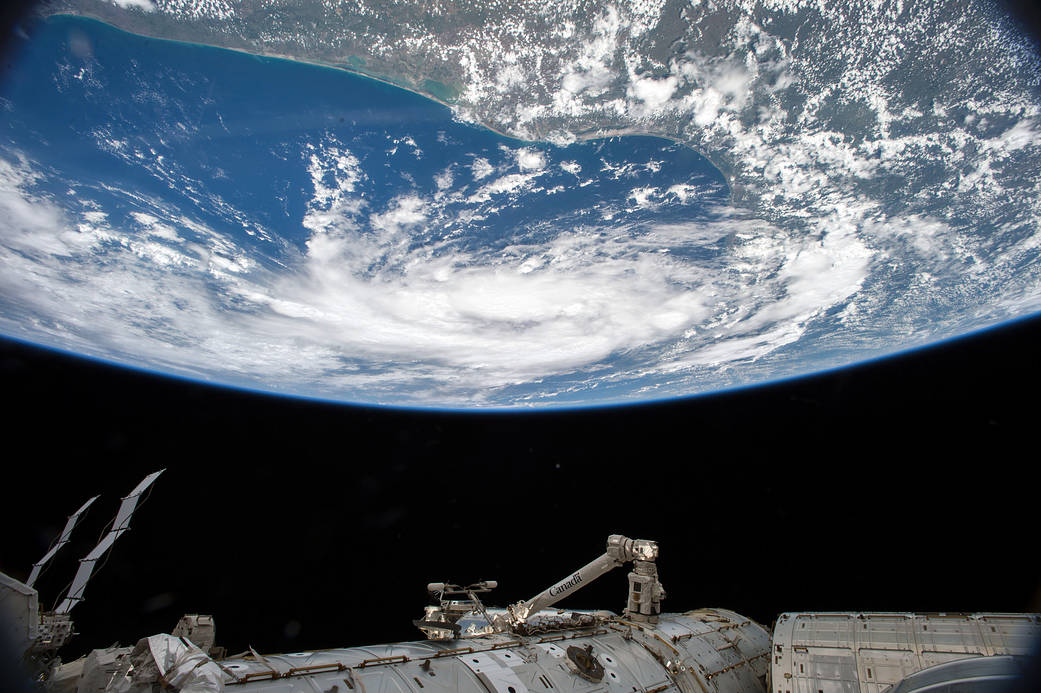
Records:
x=645, y=592
x=441, y=622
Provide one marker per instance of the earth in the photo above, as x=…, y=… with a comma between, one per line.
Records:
x=507, y=204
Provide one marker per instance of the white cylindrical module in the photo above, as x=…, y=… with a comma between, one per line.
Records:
x=831, y=652
x=704, y=651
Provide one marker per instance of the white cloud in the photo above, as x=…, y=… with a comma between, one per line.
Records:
x=481, y=168
x=530, y=159
x=513, y=183
x=645, y=197
x=404, y=211
x=652, y=93
x=684, y=191
x=443, y=180
x=335, y=173
x=364, y=299
x=146, y=5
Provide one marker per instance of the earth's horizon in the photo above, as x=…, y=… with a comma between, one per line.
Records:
x=293, y=226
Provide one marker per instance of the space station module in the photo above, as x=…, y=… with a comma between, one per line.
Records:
x=533, y=647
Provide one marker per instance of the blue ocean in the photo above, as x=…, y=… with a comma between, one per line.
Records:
x=290, y=227
x=189, y=123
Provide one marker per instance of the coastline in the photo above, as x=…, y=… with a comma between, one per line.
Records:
x=724, y=172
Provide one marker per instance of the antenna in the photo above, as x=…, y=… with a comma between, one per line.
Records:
x=62, y=541
x=120, y=525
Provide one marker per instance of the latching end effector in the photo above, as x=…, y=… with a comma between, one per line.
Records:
x=645, y=592
x=623, y=549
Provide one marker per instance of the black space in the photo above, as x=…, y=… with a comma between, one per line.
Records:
x=905, y=484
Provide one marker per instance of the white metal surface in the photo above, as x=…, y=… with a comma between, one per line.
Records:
x=868, y=652
x=572, y=583
x=706, y=651
x=19, y=612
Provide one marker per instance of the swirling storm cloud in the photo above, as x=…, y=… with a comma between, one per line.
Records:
x=277, y=225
